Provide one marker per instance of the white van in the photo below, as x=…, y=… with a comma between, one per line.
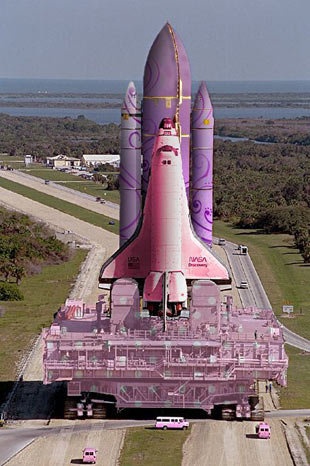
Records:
x=172, y=422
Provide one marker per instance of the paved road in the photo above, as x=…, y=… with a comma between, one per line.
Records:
x=243, y=269
x=57, y=190
x=241, y=265
x=22, y=439
x=14, y=439
x=284, y=413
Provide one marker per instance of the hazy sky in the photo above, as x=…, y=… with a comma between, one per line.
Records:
x=224, y=39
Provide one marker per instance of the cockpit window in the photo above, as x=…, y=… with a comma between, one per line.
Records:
x=167, y=123
x=168, y=148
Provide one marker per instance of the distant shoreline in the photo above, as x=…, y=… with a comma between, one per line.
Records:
x=100, y=100
x=94, y=86
x=114, y=100
x=104, y=108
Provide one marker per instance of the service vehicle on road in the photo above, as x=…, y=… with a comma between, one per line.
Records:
x=90, y=455
x=263, y=430
x=171, y=423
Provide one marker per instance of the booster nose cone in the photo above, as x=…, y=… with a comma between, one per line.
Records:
x=130, y=101
x=202, y=114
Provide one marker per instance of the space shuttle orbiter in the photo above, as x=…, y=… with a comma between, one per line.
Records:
x=165, y=246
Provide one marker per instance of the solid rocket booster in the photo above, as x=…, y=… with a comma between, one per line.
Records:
x=167, y=93
x=202, y=165
x=130, y=165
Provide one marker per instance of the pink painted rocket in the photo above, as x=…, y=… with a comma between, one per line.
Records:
x=202, y=165
x=165, y=249
x=130, y=165
x=164, y=316
x=167, y=93
x=169, y=248
x=164, y=338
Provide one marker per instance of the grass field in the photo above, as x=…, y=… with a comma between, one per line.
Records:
x=63, y=206
x=297, y=394
x=74, y=182
x=52, y=175
x=286, y=280
x=93, y=189
x=12, y=161
x=22, y=321
x=149, y=447
x=285, y=277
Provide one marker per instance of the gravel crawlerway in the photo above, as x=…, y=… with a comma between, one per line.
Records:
x=32, y=398
x=66, y=447
x=215, y=443
x=59, y=190
x=222, y=443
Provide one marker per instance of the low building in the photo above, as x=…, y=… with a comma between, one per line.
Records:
x=28, y=159
x=101, y=159
x=62, y=161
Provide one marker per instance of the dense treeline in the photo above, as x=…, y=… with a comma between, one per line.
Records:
x=251, y=178
x=263, y=186
x=45, y=137
x=281, y=131
x=25, y=246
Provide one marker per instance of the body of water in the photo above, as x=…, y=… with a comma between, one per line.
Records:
x=96, y=86
x=44, y=87
x=113, y=115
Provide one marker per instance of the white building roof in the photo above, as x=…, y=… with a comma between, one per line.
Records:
x=61, y=157
x=101, y=158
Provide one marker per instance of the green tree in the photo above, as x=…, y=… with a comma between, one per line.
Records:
x=10, y=292
x=302, y=242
